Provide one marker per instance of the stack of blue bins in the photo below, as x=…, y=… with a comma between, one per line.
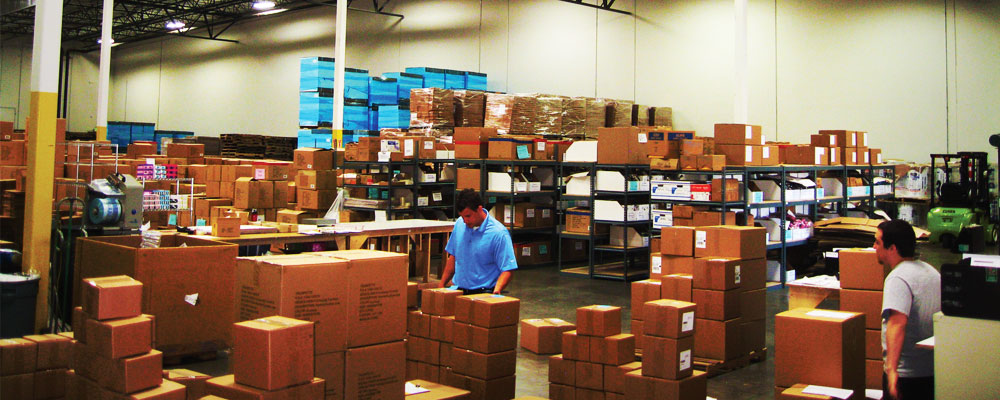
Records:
x=123, y=133
x=454, y=79
x=475, y=81
x=433, y=77
x=316, y=75
x=356, y=114
x=405, y=81
x=355, y=84
x=320, y=138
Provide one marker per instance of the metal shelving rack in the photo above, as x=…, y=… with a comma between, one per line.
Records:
x=388, y=167
x=588, y=268
x=632, y=257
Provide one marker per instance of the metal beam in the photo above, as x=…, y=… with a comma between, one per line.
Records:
x=605, y=5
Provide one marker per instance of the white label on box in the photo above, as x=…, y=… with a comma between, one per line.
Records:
x=437, y=196
x=643, y=186
x=508, y=211
x=530, y=213
x=534, y=186
x=749, y=132
x=864, y=139
x=819, y=156
x=260, y=174
x=390, y=145
x=520, y=186
x=191, y=299
x=643, y=138
x=833, y=141
x=701, y=239
x=151, y=161
x=540, y=146
x=422, y=201
x=546, y=213
x=879, y=158
x=685, y=361
x=854, y=157
x=687, y=321
x=854, y=140
x=736, y=273
x=384, y=156
x=749, y=154
x=867, y=158
x=656, y=265
x=429, y=145
x=767, y=152
x=430, y=178
x=408, y=148
x=829, y=314
x=526, y=251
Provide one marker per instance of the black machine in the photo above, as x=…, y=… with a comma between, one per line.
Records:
x=970, y=288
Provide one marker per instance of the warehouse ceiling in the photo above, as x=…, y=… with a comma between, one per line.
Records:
x=137, y=20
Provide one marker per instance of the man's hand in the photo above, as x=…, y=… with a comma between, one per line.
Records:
x=895, y=333
x=892, y=378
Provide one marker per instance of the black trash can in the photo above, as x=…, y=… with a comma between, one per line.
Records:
x=17, y=304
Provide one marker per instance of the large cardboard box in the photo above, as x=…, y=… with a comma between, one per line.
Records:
x=442, y=328
x=18, y=356
x=738, y=134
x=274, y=352
x=628, y=145
x=599, y=320
x=819, y=347
x=867, y=302
x=873, y=374
x=613, y=350
x=315, y=199
x=316, y=180
x=753, y=304
x=642, y=292
x=719, y=305
x=21, y=386
x=843, y=138
x=49, y=384
x=730, y=241
x=511, y=147
x=440, y=301
x=669, y=318
x=740, y=155
x=472, y=143
x=308, y=158
x=668, y=358
x=418, y=324
x=53, y=351
x=637, y=386
x=718, y=340
x=375, y=372
x=677, y=265
x=113, y=297
x=483, y=366
x=491, y=389
x=753, y=274
x=562, y=371
x=250, y=193
x=485, y=340
x=677, y=241
x=860, y=270
x=487, y=310
x=120, y=337
x=677, y=287
x=226, y=387
x=717, y=273
x=170, y=274
x=544, y=336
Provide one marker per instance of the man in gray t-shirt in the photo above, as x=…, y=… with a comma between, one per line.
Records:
x=911, y=296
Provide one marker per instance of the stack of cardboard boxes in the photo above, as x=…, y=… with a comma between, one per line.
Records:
x=429, y=343
x=484, y=356
x=744, y=145
x=357, y=298
x=34, y=366
x=862, y=279
x=316, y=180
x=595, y=357
x=819, y=347
x=113, y=351
x=667, y=368
x=272, y=358
x=642, y=292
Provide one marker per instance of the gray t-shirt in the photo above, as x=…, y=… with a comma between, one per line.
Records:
x=913, y=288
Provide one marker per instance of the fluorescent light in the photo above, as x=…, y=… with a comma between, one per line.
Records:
x=175, y=25
x=262, y=5
x=112, y=41
x=269, y=12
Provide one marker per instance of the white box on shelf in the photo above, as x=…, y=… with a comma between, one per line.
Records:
x=774, y=272
x=662, y=218
x=754, y=194
x=618, y=237
x=773, y=227
x=670, y=190
x=832, y=187
x=502, y=182
x=770, y=189
x=585, y=151
x=611, y=181
x=611, y=210
x=806, y=190
x=578, y=184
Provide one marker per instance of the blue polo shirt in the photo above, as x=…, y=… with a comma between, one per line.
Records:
x=481, y=254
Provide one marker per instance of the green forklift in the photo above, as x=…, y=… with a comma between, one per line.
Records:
x=957, y=205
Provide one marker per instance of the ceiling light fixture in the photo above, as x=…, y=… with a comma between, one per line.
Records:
x=262, y=5
x=269, y=12
x=113, y=42
x=174, y=25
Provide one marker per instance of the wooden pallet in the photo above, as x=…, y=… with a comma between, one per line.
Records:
x=717, y=367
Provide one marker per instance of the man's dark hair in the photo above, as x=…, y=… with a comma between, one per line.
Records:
x=468, y=198
x=899, y=233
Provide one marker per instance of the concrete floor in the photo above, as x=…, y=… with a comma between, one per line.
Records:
x=547, y=294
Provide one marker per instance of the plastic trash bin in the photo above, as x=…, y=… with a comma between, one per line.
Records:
x=17, y=304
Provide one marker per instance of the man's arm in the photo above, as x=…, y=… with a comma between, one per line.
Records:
x=502, y=281
x=449, y=271
x=895, y=332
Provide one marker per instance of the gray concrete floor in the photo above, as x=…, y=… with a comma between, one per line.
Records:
x=545, y=293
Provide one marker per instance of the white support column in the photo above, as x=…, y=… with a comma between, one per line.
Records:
x=41, y=137
x=741, y=74
x=341, y=61
x=104, y=78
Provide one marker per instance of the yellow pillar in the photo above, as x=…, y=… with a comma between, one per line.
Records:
x=41, y=148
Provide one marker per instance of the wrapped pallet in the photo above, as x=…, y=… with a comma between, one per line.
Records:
x=470, y=108
x=549, y=115
x=499, y=108
x=596, y=116
x=524, y=114
x=661, y=116
x=640, y=115
x=574, y=116
x=619, y=113
x=431, y=111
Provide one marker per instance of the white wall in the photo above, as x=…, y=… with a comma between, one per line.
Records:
x=900, y=70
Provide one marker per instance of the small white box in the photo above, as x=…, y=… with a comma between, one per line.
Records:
x=662, y=218
x=585, y=151
x=770, y=189
x=609, y=210
x=578, y=184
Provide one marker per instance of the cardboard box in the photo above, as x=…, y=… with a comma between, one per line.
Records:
x=860, y=270
x=717, y=273
x=316, y=180
x=468, y=178
x=307, y=158
x=849, y=156
x=643, y=291
x=712, y=218
x=673, y=357
x=873, y=344
x=740, y=155
x=273, y=353
x=875, y=156
x=251, y=193
x=717, y=304
x=113, y=297
x=194, y=382
x=483, y=366
x=53, y=351
x=692, y=147
x=732, y=192
x=226, y=227
x=442, y=328
x=21, y=386
x=753, y=274
x=718, y=340
x=544, y=336
x=660, y=145
x=226, y=387
x=472, y=143
x=753, y=304
x=185, y=150
x=439, y=301
x=423, y=350
x=575, y=346
x=375, y=372
x=824, y=140
x=418, y=324
x=614, y=376
x=714, y=162
x=599, y=320
x=677, y=287
x=613, y=350
x=638, y=386
x=120, y=337
x=637, y=331
x=819, y=347
x=589, y=375
x=739, y=134
x=730, y=241
x=18, y=356
x=271, y=171
x=669, y=318
x=626, y=145
x=843, y=138
x=754, y=335
x=867, y=302
x=412, y=294
x=13, y=153
x=483, y=340
x=293, y=216
x=487, y=310
x=315, y=199
x=873, y=374
x=677, y=241
x=511, y=147
x=677, y=265
x=562, y=371
x=833, y=153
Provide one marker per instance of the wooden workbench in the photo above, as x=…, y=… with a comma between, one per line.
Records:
x=356, y=235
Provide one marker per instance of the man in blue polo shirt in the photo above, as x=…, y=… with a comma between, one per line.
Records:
x=480, y=253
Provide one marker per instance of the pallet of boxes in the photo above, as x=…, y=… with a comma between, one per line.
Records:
x=357, y=300
x=595, y=357
x=862, y=278
x=113, y=355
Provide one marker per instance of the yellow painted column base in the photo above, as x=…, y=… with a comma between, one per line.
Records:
x=102, y=133
x=38, y=192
